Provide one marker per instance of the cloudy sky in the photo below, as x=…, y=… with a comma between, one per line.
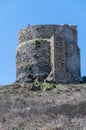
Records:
x=17, y=14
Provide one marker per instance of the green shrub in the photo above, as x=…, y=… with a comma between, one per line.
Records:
x=59, y=87
x=45, y=85
x=37, y=43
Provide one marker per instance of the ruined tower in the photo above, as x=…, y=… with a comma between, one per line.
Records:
x=49, y=53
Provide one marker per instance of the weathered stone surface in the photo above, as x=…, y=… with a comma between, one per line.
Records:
x=33, y=61
x=46, y=49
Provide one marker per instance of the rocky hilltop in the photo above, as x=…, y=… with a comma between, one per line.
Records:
x=44, y=106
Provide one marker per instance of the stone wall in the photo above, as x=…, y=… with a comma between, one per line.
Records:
x=33, y=59
x=72, y=63
x=56, y=57
x=38, y=31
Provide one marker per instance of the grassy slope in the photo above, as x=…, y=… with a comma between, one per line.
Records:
x=54, y=107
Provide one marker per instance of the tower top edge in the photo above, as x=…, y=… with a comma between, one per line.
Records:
x=73, y=27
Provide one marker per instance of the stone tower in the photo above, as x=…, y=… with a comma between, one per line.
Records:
x=49, y=53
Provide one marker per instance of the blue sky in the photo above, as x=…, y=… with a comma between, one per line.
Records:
x=17, y=14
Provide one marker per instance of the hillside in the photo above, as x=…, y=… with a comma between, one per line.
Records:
x=59, y=108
